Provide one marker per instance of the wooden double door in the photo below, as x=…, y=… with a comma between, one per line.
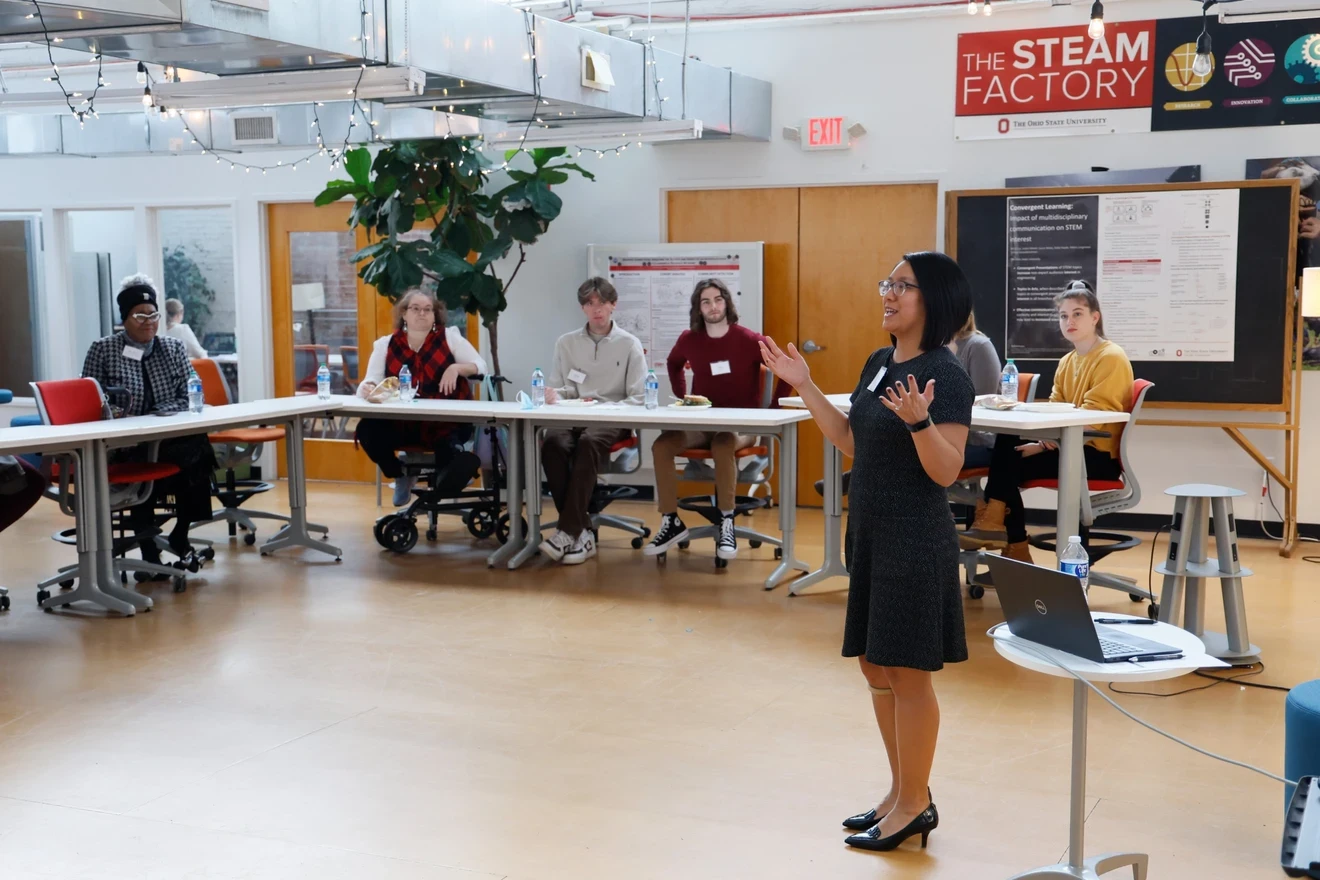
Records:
x=826, y=250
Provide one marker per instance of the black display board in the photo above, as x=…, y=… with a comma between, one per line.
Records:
x=1254, y=379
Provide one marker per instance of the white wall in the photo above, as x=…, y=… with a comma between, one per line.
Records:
x=896, y=77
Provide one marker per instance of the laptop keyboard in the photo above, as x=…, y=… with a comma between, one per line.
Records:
x=1112, y=649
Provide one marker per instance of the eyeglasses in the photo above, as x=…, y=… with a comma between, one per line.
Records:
x=898, y=288
x=147, y=318
x=421, y=310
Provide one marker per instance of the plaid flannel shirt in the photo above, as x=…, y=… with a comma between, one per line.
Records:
x=166, y=368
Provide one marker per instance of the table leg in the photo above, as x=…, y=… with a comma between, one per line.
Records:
x=1069, y=515
x=296, y=533
x=787, y=507
x=513, y=492
x=531, y=494
x=833, y=565
x=1078, y=866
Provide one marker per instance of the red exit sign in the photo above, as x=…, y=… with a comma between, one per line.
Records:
x=825, y=133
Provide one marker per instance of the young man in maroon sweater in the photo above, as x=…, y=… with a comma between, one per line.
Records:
x=726, y=367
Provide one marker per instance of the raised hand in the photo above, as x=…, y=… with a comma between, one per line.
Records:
x=907, y=402
x=791, y=367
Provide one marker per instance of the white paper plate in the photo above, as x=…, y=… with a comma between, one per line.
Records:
x=1047, y=407
x=575, y=402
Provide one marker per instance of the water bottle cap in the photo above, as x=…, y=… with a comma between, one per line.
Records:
x=1075, y=539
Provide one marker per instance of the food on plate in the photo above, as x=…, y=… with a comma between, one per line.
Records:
x=694, y=400
x=386, y=390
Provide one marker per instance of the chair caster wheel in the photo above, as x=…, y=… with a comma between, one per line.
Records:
x=976, y=591
x=1153, y=612
x=4, y=603
x=207, y=554
x=42, y=596
x=637, y=543
x=1135, y=598
x=66, y=585
x=180, y=583
x=683, y=545
x=661, y=558
x=779, y=553
x=753, y=544
x=250, y=538
x=721, y=563
x=646, y=533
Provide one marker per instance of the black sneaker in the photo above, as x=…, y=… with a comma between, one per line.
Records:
x=726, y=544
x=671, y=532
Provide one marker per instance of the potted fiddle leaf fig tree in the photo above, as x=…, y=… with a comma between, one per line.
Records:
x=432, y=217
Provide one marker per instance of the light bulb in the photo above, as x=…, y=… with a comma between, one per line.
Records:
x=1096, y=30
x=142, y=74
x=973, y=7
x=1205, y=61
x=986, y=9
x=146, y=97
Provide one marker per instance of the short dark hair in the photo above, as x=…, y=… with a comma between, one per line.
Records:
x=1082, y=290
x=600, y=287
x=695, y=319
x=946, y=293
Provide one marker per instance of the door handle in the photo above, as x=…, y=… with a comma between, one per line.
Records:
x=810, y=347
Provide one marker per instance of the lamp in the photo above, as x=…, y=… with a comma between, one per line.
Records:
x=1311, y=292
x=1096, y=29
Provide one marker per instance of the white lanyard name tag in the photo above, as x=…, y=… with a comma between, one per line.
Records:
x=577, y=376
x=720, y=368
x=133, y=354
x=879, y=377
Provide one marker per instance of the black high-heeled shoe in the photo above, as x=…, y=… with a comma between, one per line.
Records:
x=926, y=822
x=863, y=821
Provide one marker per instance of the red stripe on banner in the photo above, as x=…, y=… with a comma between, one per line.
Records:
x=732, y=267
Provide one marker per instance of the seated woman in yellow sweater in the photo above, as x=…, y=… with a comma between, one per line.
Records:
x=1096, y=374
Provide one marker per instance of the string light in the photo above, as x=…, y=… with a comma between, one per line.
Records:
x=1204, y=62
x=1096, y=29
x=79, y=114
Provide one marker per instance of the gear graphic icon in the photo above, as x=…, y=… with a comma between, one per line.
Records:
x=1302, y=61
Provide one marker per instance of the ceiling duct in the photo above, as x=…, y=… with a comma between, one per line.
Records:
x=426, y=58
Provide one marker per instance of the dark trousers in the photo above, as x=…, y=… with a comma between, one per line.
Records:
x=572, y=458
x=1009, y=470
x=190, y=488
x=15, y=504
x=381, y=438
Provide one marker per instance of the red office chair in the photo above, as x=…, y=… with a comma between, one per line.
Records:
x=1110, y=496
x=75, y=401
x=755, y=467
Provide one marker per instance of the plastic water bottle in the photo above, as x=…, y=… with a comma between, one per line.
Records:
x=196, y=394
x=652, y=390
x=1076, y=562
x=1008, y=381
x=538, y=387
x=323, y=382
x=406, y=390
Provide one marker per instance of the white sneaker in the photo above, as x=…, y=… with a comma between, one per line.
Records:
x=557, y=545
x=583, y=549
x=403, y=487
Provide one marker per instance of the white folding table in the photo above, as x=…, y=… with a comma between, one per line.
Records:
x=1066, y=428
x=474, y=412
x=782, y=423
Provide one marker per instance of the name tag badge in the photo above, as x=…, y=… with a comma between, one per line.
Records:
x=133, y=354
x=720, y=368
x=879, y=377
x=577, y=376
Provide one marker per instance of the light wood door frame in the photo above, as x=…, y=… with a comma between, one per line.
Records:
x=325, y=459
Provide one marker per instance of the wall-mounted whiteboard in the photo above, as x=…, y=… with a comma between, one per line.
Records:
x=655, y=284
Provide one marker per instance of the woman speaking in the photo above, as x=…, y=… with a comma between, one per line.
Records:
x=906, y=433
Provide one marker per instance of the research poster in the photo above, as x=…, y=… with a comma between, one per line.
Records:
x=655, y=295
x=1163, y=263
x=1051, y=241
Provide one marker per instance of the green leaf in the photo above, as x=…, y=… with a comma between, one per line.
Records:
x=486, y=290
x=520, y=176
x=553, y=176
x=572, y=166
x=493, y=251
x=524, y=226
x=371, y=251
x=448, y=264
x=545, y=154
x=336, y=190
x=383, y=186
x=544, y=202
x=509, y=154
x=358, y=165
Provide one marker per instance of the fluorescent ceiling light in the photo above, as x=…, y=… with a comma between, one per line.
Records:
x=293, y=87
x=599, y=134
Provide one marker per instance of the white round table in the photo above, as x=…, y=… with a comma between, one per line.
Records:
x=1027, y=655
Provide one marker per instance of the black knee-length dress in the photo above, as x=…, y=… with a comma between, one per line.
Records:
x=904, y=599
